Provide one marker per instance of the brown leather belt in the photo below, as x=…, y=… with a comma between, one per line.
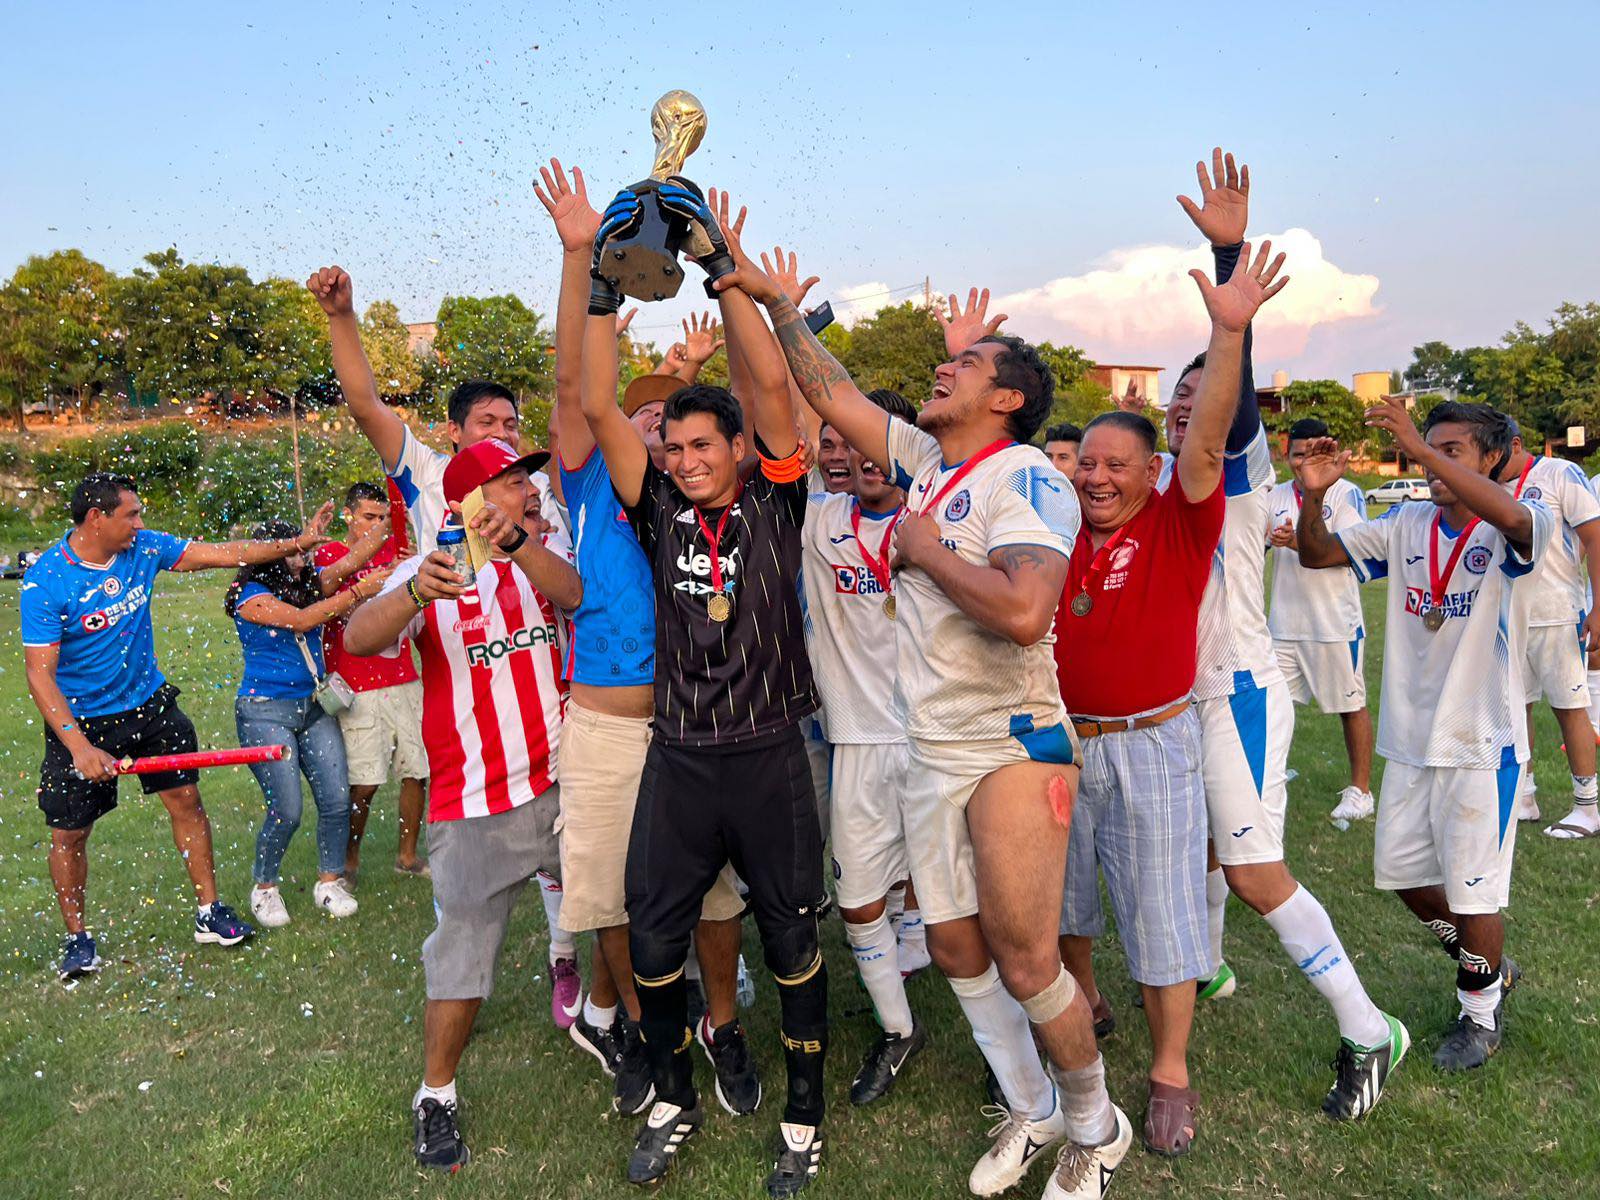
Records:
x=1088, y=729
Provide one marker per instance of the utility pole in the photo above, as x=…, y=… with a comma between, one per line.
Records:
x=927, y=292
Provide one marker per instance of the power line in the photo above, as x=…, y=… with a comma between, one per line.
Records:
x=920, y=285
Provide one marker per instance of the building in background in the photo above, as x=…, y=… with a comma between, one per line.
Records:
x=1141, y=382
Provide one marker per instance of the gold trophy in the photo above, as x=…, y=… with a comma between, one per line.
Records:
x=648, y=225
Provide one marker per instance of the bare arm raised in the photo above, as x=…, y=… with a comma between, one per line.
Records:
x=383, y=428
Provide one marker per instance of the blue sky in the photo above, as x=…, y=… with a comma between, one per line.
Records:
x=1438, y=157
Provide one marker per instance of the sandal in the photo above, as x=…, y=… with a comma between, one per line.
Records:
x=1578, y=832
x=1170, y=1122
x=420, y=869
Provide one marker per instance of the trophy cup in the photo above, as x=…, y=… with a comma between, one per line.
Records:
x=648, y=225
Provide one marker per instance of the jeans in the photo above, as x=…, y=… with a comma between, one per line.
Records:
x=315, y=747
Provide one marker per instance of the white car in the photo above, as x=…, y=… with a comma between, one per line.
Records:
x=1396, y=490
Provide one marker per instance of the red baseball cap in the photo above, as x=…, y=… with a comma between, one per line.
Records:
x=480, y=462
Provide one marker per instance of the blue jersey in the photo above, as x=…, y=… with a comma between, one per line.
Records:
x=614, y=629
x=100, y=617
x=274, y=667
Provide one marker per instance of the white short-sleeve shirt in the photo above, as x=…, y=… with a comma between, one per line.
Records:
x=419, y=474
x=1557, y=591
x=1311, y=605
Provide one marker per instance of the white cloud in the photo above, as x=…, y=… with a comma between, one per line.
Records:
x=1139, y=305
x=859, y=300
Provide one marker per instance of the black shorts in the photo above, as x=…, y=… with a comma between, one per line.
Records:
x=701, y=807
x=158, y=726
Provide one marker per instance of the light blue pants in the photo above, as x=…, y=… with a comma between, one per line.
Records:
x=316, y=750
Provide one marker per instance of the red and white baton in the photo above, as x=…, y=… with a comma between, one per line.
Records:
x=200, y=758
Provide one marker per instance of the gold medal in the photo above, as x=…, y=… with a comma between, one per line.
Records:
x=1433, y=620
x=718, y=607
x=1081, y=604
x=888, y=606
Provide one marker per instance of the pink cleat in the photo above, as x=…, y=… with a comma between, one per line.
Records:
x=566, y=995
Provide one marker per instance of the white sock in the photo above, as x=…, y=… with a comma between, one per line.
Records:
x=445, y=1095
x=878, y=960
x=1216, y=905
x=1085, y=1103
x=1479, y=1006
x=600, y=1018
x=1308, y=936
x=1001, y=1029
x=895, y=907
x=1583, y=789
x=562, y=944
x=912, y=933
x=204, y=910
x=1594, y=701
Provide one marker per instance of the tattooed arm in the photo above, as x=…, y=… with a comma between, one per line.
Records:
x=1014, y=596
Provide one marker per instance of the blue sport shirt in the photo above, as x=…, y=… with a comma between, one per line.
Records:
x=274, y=668
x=614, y=629
x=100, y=617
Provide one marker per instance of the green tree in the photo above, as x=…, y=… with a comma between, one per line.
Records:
x=1435, y=365
x=896, y=348
x=1330, y=402
x=1078, y=398
x=290, y=342
x=396, y=369
x=55, y=321
x=493, y=337
x=190, y=328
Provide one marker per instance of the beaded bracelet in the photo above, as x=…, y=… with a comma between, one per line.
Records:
x=416, y=596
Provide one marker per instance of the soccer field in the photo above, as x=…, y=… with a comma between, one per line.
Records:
x=284, y=1068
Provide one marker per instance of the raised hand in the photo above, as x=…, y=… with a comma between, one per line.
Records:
x=331, y=287
x=1130, y=400
x=568, y=206
x=700, y=340
x=437, y=578
x=370, y=584
x=316, y=530
x=1224, y=211
x=1251, y=285
x=1390, y=414
x=748, y=277
x=787, y=276
x=962, y=330
x=1323, y=466
x=626, y=319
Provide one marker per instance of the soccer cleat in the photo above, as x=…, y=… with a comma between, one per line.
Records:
x=799, y=1156
x=333, y=897
x=738, y=1087
x=1084, y=1172
x=665, y=1130
x=79, y=956
x=219, y=925
x=1360, y=1073
x=1018, y=1144
x=601, y=1043
x=635, y=1088
x=1468, y=1045
x=267, y=907
x=1510, y=976
x=1354, y=805
x=883, y=1064
x=439, y=1143
x=566, y=992
x=1219, y=987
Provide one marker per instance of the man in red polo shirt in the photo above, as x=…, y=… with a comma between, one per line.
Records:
x=1125, y=654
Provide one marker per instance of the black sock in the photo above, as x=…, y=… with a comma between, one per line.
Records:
x=804, y=1017
x=664, y=1025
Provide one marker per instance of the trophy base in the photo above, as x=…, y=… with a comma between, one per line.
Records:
x=641, y=271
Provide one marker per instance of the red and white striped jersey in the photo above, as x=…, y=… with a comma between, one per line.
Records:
x=492, y=693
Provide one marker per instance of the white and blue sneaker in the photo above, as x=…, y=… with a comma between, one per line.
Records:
x=79, y=957
x=219, y=925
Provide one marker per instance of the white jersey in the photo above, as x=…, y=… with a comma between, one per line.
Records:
x=1234, y=649
x=849, y=636
x=420, y=477
x=1556, y=593
x=1311, y=605
x=1453, y=697
x=958, y=682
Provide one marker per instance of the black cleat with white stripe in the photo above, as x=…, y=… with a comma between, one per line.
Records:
x=439, y=1143
x=1360, y=1073
x=889, y=1054
x=665, y=1130
x=799, y=1156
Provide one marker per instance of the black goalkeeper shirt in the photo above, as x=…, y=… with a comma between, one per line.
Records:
x=719, y=683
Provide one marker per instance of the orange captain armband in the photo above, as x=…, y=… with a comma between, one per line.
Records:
x=785, y=470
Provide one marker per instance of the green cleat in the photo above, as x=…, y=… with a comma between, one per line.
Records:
x=1360, y=1073
x=1219, y=987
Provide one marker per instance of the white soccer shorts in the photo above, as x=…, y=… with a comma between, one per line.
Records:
x=1449, y=826
x=869, y=821
x=1244, y=749
x=1554, y=666
x=1330, y=675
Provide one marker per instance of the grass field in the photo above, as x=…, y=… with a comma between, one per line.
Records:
x=284, y=1068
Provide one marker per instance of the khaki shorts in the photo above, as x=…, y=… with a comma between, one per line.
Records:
x=602, y=758
x=383, y=728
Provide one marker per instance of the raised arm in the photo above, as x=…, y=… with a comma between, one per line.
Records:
x=1324, y=466
x=269, y=610
x=382, y=427
x=826, y=386
x=1486, y=498
x=1223, y=216
x=1015, y=596
x=623, y=449
x=359, y=555
x=205, y=556
x=576, y=224
x=1231, y=308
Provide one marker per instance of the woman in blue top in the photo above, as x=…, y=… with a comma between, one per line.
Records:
x=274, y=607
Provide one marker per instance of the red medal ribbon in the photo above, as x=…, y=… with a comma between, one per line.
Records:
x=714, y=540
x=964, y=470
x=1436, y=581
x=1523, y=478
x=878, y=566
x=1102, y=560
